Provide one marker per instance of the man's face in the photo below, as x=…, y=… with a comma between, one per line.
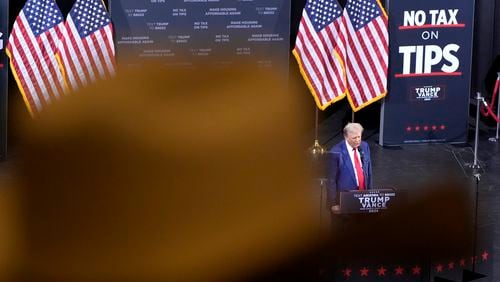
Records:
x=353, y=138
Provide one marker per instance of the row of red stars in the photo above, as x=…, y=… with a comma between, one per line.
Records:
x=425, y=128
x=416, y=270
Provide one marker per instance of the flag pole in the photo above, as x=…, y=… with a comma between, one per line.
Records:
x=316, y=124
x=352, y=116
x=316, y=149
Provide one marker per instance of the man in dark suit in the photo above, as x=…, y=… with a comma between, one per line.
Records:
x=354, y=169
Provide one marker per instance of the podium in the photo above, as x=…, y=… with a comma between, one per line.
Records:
x=368, y=201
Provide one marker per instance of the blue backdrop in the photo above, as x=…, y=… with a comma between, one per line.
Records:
x=430, y=71
x=180, y=32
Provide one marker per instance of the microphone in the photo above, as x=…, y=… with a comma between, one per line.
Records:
x=361, y=155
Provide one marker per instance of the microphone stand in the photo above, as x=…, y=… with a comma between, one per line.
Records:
x=480, y=99
x=477, y=175
x=322, y=205
x=476, y=167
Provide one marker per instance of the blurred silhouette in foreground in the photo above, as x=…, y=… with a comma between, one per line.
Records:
x=167, y=175
x=189, y=175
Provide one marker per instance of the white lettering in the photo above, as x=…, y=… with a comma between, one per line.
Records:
x=428, y=56
x=407, y=51
x=433, y=56
x=437, y=17
x=452, y=59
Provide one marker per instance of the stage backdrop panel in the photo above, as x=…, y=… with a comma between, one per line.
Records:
x=4, y=25
x=221, y=32
x=429, y=73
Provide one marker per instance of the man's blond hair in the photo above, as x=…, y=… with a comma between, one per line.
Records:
x=352, y=127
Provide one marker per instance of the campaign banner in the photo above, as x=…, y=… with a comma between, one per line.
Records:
x=429, y=73
x=4, y=25
x=367, y=201
x=185, y=32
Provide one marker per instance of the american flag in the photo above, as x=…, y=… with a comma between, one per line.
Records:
x=367, y=52
x=87, y=50
x=320, y=50
x=32, y=50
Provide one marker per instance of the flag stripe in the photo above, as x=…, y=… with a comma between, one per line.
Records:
x=31, y=48
x=29, y=87
x=108, y=49
x=379, y=55
x=319, y=51
x=55, y=35
x=94, y=60
x=335, y=65
x=370, y=52
x=333, y=33
x=319, y=58
x=80, y=76
x=361, y=62
x=79, y=48
x=342, y=35
x=315, y=72
x=24, y=64
x=70, y=68
x=28, y=44
x=309, y=77
x=367, y=52
x=357, y=66
x=382, y=40
x=100, y=56
x=51, y=70
x=88, y=47
x=76, y=56
x=103, y=61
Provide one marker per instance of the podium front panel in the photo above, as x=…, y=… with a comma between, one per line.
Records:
x=367, y=201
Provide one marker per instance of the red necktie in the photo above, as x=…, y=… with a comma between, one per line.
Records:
x=359, y=171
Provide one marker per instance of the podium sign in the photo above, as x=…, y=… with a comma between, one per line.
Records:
x=368, y=201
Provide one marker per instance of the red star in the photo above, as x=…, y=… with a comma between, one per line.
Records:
x=381, y=271
x=399, y=270
x=434, y=127
x=347, y=272
x=439, y=268
x=451, y=265
x=416, y=270
x=364, y=271
x=417, y=128
x=426, y=128
x=462, y=262
x=484, y=256
x=408, y=129
x=442, y=127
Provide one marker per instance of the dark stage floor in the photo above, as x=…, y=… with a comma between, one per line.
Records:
x=421, y=171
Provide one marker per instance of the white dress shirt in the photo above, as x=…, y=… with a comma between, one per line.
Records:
x=350, y=150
